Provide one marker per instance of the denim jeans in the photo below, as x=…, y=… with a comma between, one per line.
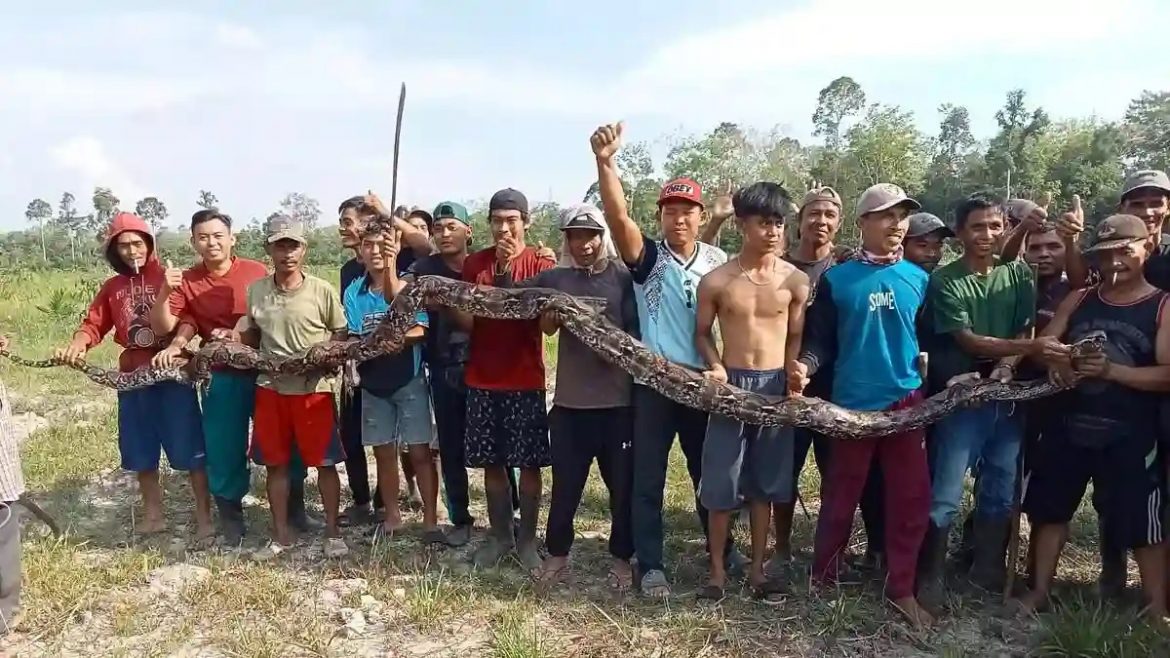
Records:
x=988, y=435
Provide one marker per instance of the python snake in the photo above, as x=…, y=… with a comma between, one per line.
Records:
x=581, y=318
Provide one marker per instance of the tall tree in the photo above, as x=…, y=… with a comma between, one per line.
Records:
x=887, y=147
x=153, y=211
x=840, y=99
x=69, y=221
x=949, y=173
x=303, y=208
x=38, y=212
x=1015, y=159
x=105, y=206
x=207, y=200
x=1147, y=130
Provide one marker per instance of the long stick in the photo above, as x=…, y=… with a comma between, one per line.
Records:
x=1013, y=548
x=397, y=143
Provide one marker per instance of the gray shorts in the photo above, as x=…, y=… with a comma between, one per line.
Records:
x=746, y=462
x=403, y=418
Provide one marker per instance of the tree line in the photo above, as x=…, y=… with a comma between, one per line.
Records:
x=858, y=143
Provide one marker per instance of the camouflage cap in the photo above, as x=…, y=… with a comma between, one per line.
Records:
x=283, y=227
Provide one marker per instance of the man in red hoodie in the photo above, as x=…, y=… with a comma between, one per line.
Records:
x=123, y=304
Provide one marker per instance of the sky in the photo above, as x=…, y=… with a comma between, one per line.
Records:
x=164, y=99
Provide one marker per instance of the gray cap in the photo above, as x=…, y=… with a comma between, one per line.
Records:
x=583, y=216
x=882, y=197
x=1146, y=178
x=924, y=223
x=1118, y=231
x=821, y=194
x=283, y=227
x=1019, y=209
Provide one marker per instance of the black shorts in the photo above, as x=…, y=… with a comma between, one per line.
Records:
x=507, y=428
x=1127, y=474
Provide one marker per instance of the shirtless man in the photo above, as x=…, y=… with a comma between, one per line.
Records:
x=759, y=299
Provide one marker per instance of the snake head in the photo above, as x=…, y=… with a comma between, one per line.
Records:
x=1092, y=343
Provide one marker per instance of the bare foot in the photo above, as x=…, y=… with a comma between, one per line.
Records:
x=1031, y=602
x=914, y=613
x=552, y=570
x=152, y=524
x=621, y=574
x=204, y=535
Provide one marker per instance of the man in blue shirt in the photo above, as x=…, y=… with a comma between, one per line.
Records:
x=395, y=402
x=863, y=322
x=666, y=277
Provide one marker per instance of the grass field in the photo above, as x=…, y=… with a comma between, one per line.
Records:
x=102, y=591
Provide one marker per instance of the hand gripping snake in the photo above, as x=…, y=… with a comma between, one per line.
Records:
x=581, y=318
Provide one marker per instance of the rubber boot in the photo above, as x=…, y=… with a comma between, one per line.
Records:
x=1114, y=565
x=987, y=570
x=298, y=516
x=499, y=541
x=932, y=589
x=231, y=521
x=526, y=537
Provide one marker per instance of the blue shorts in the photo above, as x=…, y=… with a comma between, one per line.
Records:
x=403, y=418
x=164, y=416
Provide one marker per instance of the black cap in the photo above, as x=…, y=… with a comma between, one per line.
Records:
x=508, y=199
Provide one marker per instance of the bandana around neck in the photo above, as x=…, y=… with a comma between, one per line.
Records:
x=874, y=259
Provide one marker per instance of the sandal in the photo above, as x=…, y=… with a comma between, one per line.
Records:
x=654, y=584
x=620, y=580
x=545, y=576
x=710, y=593
x=769, y=591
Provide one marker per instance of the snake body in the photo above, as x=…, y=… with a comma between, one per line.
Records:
x=581, y=318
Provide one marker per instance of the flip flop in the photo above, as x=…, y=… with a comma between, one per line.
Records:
x=710, y=593
x=769, y=591
x=620, y=580
x=546, y=577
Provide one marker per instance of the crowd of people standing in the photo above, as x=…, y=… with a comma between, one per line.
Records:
x=875, y=327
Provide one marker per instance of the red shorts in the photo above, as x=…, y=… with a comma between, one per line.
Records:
x=307, y=421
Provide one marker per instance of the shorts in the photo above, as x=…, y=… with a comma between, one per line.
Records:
x=308, y=421
x=747, y=462
x=403, y=417
x=506, y=428
x=161, y=417
x=1127, y=474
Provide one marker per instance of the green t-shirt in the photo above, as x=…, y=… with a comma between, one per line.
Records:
x=291, y=321
x=999, y=304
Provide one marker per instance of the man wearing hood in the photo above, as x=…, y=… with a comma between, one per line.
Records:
x=591, y=417
x=123, y=304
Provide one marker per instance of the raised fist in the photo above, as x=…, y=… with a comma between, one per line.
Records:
x=607, y=140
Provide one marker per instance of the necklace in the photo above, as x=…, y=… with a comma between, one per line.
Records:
x=748, y=275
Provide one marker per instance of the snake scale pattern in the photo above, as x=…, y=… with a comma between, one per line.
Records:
x=582, y=319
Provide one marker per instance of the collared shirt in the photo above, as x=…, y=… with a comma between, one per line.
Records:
x=11, y=477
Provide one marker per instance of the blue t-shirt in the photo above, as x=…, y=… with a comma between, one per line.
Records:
x=863, y=321
x=666, y=290
x=364, y=309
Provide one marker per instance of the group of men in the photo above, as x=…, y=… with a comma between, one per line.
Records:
x=873, y=328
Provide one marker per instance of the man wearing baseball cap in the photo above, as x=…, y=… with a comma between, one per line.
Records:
x=507, y=423
x=863, y=321
x=1104, y=436
x=1145, y=195
x=666, y=277
x=590, y=419
x=287, y=313
x=924, y=240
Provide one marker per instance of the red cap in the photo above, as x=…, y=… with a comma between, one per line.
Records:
x=683, y=189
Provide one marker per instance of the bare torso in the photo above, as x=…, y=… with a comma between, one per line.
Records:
x=753, y=307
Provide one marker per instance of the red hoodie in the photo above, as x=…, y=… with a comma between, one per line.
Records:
x=124, y=301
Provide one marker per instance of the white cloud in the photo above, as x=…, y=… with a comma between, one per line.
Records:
x=238, y=36
x=40, y=89
x=86, y=158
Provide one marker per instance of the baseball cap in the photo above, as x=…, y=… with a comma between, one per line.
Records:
x=882, y=197
x=1118, y=231
x=682, y=189
x=419, y=212
x=821, y=194
x=1146, y=178
x=924, y=223
x=583, y=216
x=1019, y=209
x=508, y=199
x=283, y=227
x=451, y=210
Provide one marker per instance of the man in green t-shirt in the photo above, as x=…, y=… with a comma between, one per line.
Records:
x=982, y=310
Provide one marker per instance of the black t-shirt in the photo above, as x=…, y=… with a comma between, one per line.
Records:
x=820, y=385
x=446, y=346
x=351, y=271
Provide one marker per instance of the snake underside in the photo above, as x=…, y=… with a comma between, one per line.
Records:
x=582, y=319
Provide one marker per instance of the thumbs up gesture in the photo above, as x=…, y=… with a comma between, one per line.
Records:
x=545, y=252
x=607, y=140
x=173, y=280
x=1072, y=223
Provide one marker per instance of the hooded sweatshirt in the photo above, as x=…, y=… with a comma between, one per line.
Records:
x=123, y=303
